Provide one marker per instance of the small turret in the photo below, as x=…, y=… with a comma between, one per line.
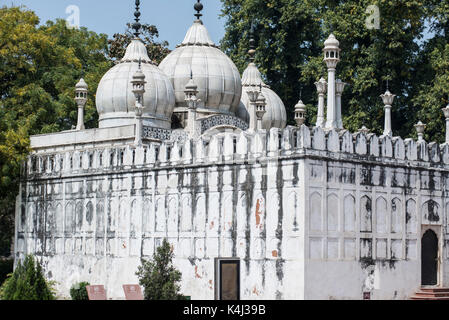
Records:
x=81, y=90
x=331, y=58
x=300, y=113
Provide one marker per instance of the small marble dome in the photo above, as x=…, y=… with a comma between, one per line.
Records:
x=82, y=85
x=115, y=99
x=331, y=42
x=217, y=77
x=276, y=115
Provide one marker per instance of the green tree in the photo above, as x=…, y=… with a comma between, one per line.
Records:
x=27, y=282
x=159, y=277
x=290, y=36
x=433, y=70
x=39, y=67
x=157, y=51
x=79, y=292
x=287, y=33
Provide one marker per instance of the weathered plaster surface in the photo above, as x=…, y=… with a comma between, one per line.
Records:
x=311, y=214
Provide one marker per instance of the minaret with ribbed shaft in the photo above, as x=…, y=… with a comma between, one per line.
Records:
x=331, y=57
x=253, y=92
x=138, y=83
x=339, y=87
x=191, y=93
x=321, y=87
x=81, y=100
x=261, y=104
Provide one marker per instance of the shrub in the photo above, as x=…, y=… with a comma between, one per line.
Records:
x=78, y=291
x=6, y=267
x=159, y=277
x=27, y=282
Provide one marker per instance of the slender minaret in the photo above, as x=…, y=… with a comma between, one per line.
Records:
x=321, y=87
x=261, y=104
x=81, y=100
x=253, y=88
x=388, y=99
x=331, y=57
x=339, y=87
x=446, y=115
x=138, y=83
x=191, y=92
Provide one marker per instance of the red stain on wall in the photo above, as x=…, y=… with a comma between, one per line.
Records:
x=211, y=225
x=274, y=253
x=258, y=213
x=197, y=275
x=255, y=291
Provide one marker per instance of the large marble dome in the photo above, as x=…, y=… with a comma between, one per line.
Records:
x=115, y=100
x=217, y=77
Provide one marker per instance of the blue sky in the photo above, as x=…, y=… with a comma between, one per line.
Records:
x=172, y=17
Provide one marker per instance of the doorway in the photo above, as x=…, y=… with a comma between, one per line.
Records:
x=429, y=258
x=227, y=279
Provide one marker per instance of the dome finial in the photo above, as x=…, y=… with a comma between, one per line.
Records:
x=136, y=25
x=252, y=47
x=198, y=7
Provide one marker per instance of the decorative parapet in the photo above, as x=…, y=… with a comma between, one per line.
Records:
x=222, y=120
x=229, y=147
x=156, y=133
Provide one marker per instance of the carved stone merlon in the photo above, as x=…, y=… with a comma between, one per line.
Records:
x=81, y=90
x=331, y=57
x=387, y=99
x=446, y=115
x=364, y=130
x=300, y=113
x=420, y=127
x=321, y=87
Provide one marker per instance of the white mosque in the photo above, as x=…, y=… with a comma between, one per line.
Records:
x=193, y=152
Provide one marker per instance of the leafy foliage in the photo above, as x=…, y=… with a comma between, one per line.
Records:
x=78, y=291
x=157, y=51
x=290, y=36
x=159, y=277
x=39, y=67
x=27, y=282
x=6, y=267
